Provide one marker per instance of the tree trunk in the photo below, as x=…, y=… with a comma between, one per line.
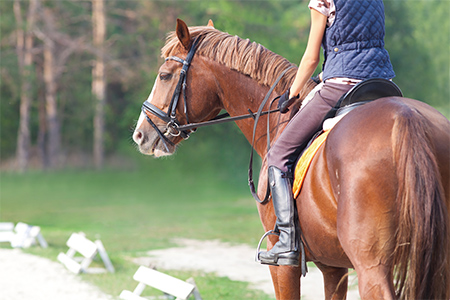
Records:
x=42, y=132
x=53, y=66
x=25, y=58
x=54, y=138
x=98, y=80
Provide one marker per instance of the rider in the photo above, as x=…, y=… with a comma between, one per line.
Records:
x=352, y=36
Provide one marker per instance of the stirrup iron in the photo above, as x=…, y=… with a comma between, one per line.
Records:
x=303, y=264
x=270, y=232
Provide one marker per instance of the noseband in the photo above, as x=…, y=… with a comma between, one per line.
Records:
x=172, y=123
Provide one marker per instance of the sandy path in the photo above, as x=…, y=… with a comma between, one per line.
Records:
x=236, y=262
x=28, y=277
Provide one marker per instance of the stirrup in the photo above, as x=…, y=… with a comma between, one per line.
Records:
x=303, y=265
x=270, y=232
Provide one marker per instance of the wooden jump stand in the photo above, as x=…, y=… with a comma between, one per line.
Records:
x=180, y=289
x=79, y=244
x=22, y=235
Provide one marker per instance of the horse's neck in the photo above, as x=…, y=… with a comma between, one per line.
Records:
x=239, y=93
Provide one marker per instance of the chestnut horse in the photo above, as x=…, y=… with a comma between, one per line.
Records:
x=377, y=194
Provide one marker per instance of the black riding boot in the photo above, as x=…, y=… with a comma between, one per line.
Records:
x=285, y=251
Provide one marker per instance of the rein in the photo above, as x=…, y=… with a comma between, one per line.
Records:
x=224, y=118
x=258, y=114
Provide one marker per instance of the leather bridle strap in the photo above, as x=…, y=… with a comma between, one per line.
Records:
x=147, y=106
x=181, y=86
x=160, y=134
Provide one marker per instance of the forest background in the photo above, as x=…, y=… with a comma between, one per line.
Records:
x=51, y=51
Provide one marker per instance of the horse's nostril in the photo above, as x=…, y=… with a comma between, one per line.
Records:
x=138, y=137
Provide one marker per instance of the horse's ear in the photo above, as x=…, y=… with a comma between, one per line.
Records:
x=183, y=34
x=210, y=23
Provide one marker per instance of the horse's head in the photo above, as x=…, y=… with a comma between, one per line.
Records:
x=183, y=93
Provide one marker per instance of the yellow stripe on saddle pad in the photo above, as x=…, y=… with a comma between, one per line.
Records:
x=304, y=162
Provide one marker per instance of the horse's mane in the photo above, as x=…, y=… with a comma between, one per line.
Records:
x=248, y=58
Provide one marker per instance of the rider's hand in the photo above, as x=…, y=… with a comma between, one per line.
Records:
x=284, y=102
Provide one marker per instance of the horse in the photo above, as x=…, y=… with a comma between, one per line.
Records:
x=376, y=197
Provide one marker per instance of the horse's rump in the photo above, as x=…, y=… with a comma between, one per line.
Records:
x=395, y=143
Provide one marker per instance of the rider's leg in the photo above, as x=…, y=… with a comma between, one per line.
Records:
x=280, y=159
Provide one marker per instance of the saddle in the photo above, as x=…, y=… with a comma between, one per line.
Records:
x=369, y=90
x=366, y=91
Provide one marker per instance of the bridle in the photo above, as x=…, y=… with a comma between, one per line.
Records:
x=172, y=123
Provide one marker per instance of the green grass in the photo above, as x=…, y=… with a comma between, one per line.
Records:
x=133, y=212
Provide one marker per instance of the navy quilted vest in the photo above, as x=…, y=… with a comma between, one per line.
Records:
x=354, y=44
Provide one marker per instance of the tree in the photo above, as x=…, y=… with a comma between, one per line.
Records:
x=57, y=48
x=51, y=108
x=24, y=47
x=99, y=80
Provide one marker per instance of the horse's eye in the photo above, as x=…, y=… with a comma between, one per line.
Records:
x=165, y=76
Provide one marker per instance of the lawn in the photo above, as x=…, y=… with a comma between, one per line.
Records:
x=134, y=211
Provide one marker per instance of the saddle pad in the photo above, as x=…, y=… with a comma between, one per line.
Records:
x=304, y=162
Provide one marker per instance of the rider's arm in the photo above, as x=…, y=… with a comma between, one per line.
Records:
x=311, y=57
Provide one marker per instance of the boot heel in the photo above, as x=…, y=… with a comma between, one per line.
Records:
x=282, y=261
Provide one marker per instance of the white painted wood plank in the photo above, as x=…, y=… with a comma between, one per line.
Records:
x=104, y=256
x=196, y=292
x=21, y=227
x=21, y=235
x=165, y=283
x=30, y=236
x=85, y=264
x=139, y=288
x=6, y=226
x=6, y=236
x=70, y=264
x=127, y=295
x=42, y=241
x=81, y=244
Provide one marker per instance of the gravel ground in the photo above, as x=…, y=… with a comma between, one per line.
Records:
x=236, y=262
x=28, y=277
